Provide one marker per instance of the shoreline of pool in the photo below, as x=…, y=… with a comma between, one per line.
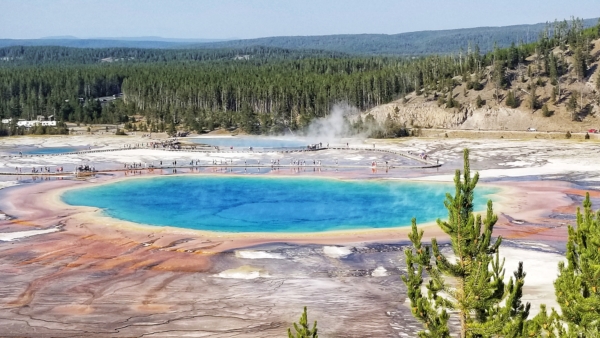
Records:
x=47, y=205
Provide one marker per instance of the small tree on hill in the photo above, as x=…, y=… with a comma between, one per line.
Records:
x=451, y=102
x=553, y=69
x=499, y=77
x=479, y=102
x=303, y=329
x=533, y=101
x=546, y=111
x=511, y=100
x=579, y=65
x=484, y=304
x=572, y=105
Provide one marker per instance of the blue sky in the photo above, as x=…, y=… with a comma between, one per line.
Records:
x=219, y=19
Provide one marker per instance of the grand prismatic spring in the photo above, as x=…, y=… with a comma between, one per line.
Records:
x=266, y=204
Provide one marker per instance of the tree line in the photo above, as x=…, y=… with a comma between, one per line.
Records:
x=14, y=56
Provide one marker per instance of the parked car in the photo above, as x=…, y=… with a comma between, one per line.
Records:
x=594, y=131
x=531, y=129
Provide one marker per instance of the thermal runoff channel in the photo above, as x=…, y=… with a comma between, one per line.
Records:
x=265, y=204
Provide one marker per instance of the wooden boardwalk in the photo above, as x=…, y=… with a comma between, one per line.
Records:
x=425, y=164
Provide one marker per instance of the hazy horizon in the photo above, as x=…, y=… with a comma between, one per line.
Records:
x=237, y=19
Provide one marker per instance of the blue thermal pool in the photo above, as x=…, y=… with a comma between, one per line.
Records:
x=246, y=142
x=268, y=204
x=46, y=150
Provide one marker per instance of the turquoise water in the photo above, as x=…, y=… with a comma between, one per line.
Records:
x=267, y=204
x=246, y=142
x=47, y=150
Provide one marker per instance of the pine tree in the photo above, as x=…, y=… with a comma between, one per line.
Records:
x=572, y=105
x=171, y=131
x=544, y=325
x=451, y=102
x=578, y=284
x=577, y=287
x=533, y=101
x=499, y=78
x=511, y=100
x=553, y=69
x=485, y=305
x=546, y=111
x=579, y=65
x=302, y=328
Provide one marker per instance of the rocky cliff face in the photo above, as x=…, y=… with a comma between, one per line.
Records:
x=429, y=115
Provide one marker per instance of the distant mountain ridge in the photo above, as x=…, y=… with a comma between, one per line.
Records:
x=403, y=44
x=91, y=43
x=135, y=38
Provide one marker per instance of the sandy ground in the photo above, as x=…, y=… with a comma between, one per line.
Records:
x=71, y=271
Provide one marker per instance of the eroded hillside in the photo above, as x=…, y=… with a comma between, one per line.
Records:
x=574, y=105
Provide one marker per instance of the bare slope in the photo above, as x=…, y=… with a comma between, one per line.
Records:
x=425, y=111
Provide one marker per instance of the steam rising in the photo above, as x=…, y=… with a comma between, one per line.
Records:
x=339, y=124
x=336, y=125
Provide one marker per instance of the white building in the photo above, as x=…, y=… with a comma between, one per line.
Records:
x=29, y=124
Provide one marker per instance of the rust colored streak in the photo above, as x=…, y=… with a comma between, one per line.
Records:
x=580, y=192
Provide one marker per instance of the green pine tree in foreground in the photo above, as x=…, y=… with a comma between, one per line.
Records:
x=577, y=287
x=302, y=328
x=471, y=284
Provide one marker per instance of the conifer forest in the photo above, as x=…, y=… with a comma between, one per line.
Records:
x=261, y=90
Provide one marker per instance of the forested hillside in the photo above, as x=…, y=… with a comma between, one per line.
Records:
x=403, y=44
x=269, y=95
x=411, y=44
x=278, y=89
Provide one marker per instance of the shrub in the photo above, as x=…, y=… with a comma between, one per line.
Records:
x=568, y=135
x=441, y=101
x=479, y=102
x=475, y=85
x=539, y=82
x=546, y=112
